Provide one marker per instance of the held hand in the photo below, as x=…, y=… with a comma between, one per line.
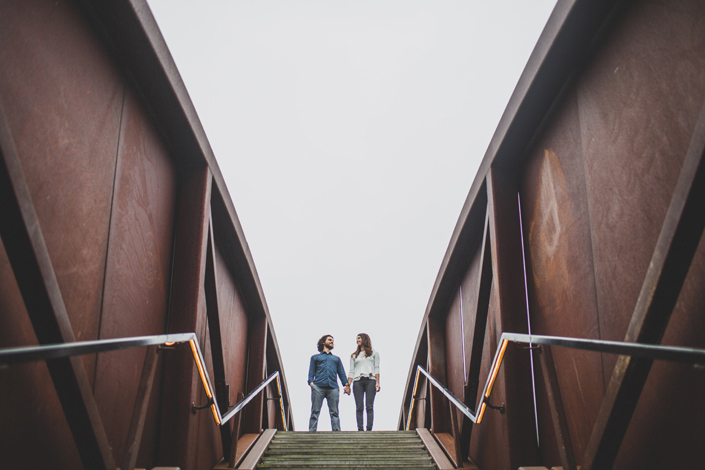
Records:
x=377, y=387
x=346, y=390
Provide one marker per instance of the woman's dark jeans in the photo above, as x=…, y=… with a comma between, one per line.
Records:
x=368, y=387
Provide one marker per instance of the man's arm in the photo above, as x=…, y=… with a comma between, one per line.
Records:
x=311, y=371
x=343, y=378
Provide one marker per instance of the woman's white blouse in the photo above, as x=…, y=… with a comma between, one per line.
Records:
x=364, y=366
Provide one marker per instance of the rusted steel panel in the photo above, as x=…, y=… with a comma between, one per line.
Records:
x=490, y=433
x=470, y=298
x=69, y=174
x=437, y=367
x=66, y=73
x=458, y=331
x=677, y=244
x=234, y=326
x=454, y=374
x=272, y=406
x=418, y=412
x=596, y=181
x=138, y=270
x=422, y=410
x=256, y=364
x=65, y=126
x=139, y=414
x=215, y=335
x=482, y=291
x=558, y=416
x=207, y=437
x=560, y=274
x=454, y=349
x=23, y=387
x=507, y=267
x=34, y=274
x=274, y=364
x=668, y=425
x=177, y=445
x=638, y=103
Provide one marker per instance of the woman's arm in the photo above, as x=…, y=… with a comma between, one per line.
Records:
x=378, y=386
x=351, y=370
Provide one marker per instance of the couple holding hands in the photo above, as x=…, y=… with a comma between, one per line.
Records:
x=324, y=371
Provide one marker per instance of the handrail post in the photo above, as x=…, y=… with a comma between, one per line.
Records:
x=232, y=458
x=455, y=431
x=134, y=436
x=560, y=423
x=413, y=397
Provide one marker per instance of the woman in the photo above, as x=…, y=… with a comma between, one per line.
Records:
x=364, y=375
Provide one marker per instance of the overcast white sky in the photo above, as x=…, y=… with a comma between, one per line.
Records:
x=349, y=134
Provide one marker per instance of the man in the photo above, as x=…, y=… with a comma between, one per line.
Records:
x=323, y=374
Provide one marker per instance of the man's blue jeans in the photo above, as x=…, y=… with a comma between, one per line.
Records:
x=332, y=396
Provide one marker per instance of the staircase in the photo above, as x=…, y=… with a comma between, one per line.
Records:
x=363, y=450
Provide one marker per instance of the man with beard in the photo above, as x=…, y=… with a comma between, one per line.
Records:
x=323, y=373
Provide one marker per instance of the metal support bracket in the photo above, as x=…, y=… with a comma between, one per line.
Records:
x=195, y=408
x=498, y=408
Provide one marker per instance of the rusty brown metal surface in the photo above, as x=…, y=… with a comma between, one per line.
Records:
x=560, y=272
x=207, y=436
x=638, y=104
x=257, y=341
x=139, y=415
x=439, y=458
x=507, y=266
x=124, y=183
x=187, y=313
x=676, y=247
x=480, y=291
x=65, y=126
x=455, y=382
x=594, y=143
x=558, y=416
x=440, y=421
x=138, y=268
x=255, y=455
x=26, y=386
x=491, y=432
x=236, y=325
x=215, y=337
x=34, y=273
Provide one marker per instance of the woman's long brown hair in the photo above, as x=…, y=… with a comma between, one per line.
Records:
x=366, y=345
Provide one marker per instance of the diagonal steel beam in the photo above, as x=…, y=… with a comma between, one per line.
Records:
x=139, y=414
x=484, y=291
x=675, y=248
x=217, y=354
x=28, y=255
x=555, y=403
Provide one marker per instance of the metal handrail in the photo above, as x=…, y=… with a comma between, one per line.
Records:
x=651, y=351
x=9, y=356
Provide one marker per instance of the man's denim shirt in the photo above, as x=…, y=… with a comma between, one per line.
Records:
x=323, y=370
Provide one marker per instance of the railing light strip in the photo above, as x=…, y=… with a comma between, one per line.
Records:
x=12, y=356
x=659, y=352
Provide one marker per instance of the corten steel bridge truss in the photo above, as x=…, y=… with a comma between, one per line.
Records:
x=585, y=222
x=115, y=222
